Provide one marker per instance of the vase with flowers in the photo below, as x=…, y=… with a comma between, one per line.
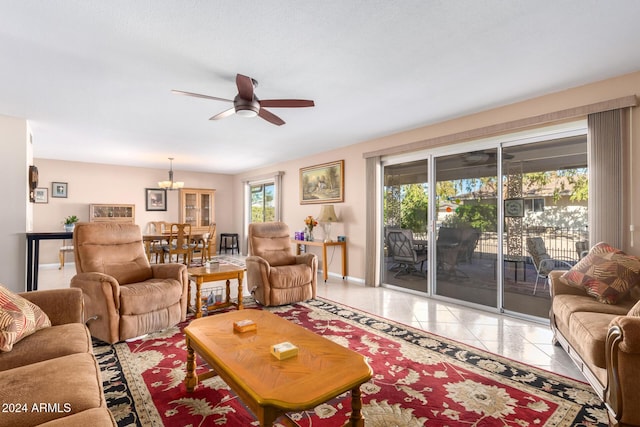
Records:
x=310, y=222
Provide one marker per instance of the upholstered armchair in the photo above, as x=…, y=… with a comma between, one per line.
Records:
x=125, y=296
x=275, y=275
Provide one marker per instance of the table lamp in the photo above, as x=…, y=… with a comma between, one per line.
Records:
x=326, y=217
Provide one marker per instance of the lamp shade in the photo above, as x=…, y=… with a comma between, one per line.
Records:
x=327, y=214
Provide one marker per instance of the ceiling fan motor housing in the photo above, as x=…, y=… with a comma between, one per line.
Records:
x=245, y=107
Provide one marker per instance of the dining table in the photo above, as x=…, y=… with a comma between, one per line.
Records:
x=149, y=238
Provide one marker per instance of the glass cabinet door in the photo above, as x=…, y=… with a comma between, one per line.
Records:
x=205, y=210
x=190, y=209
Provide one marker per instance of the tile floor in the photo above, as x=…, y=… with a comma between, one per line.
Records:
x=518, y=339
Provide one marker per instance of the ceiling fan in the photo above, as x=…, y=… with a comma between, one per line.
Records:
x=247, y=104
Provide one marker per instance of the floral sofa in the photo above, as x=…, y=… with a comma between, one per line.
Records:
x=48, y=373
x=595, y=317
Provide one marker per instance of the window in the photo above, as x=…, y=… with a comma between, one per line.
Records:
x=534, y=205
x=262, y=203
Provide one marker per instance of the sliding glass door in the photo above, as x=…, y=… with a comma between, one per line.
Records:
x=466, y=226
x=473, y=225
x=545, y=190
x=406, y=208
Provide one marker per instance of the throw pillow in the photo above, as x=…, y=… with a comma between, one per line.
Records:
x=606, y=273
x=18, y=318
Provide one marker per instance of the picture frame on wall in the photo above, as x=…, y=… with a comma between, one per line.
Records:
x=41, y=195
x=323, y=183
x=514, y=208
x=156, y=199
x=59, y=189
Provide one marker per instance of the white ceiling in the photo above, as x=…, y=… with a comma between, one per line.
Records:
x=94, y=77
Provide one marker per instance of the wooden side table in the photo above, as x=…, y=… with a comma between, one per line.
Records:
x=216, y=272
x=324, y=245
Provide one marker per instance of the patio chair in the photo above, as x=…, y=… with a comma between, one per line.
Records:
x=455, y=245
x=404, y=254
x=582, y=248
x=543, y=262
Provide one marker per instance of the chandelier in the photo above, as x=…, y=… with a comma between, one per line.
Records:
x=170, y=184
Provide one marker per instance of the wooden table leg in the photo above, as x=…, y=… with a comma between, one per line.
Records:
x=191, y=380
x=198, y=298
x=240, y=305
x=325, y=268
x=228, y=297
x=344, y=261
x=356, y=419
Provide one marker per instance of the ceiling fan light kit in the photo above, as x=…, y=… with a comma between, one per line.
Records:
x=246, y=108
x=247, y=104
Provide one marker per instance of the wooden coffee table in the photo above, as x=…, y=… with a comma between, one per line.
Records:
x=270, y=387
x=216, y=272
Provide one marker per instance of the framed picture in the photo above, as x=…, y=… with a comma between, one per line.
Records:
x=156, y=199
x=322, y=183
x=41, y=195
x=59, y=189
x=514, y=207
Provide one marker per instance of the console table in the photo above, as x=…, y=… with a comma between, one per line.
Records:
x=33, y=253
x=324, y=245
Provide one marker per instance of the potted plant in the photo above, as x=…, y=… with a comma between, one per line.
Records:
x=70, y=222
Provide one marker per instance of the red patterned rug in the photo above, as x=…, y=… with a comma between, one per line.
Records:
x=419, y=380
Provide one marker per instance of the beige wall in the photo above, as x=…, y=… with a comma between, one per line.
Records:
x=97, y=183
x=352, y=211
x=15, y=158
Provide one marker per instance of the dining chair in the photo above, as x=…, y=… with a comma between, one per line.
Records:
x=206, y=244
x=179, y=243
x=155, y=247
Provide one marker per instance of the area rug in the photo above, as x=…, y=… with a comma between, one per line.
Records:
x=419, y=379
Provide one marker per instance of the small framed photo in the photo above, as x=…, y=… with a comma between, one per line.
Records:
x=41, y=195
x=156, y=199
x=514, y=207
x=59, y=189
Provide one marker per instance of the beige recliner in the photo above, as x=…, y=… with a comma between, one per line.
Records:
x=275, y=275
x=124, y=295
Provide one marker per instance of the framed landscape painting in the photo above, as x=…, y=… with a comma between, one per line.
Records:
x=322, y=183
x=156, y=199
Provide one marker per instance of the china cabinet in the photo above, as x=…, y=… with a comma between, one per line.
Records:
x=197, y=208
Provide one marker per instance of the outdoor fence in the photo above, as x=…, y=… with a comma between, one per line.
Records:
x=559, y=241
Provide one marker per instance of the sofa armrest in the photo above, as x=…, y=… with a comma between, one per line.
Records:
x=61, y=305
x=559, y=285
x=622, y=353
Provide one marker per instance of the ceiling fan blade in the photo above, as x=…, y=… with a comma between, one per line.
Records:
x=286, y=103
x=197, y=95
x=270, y=117
x=245, y=87
x=225, y=113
